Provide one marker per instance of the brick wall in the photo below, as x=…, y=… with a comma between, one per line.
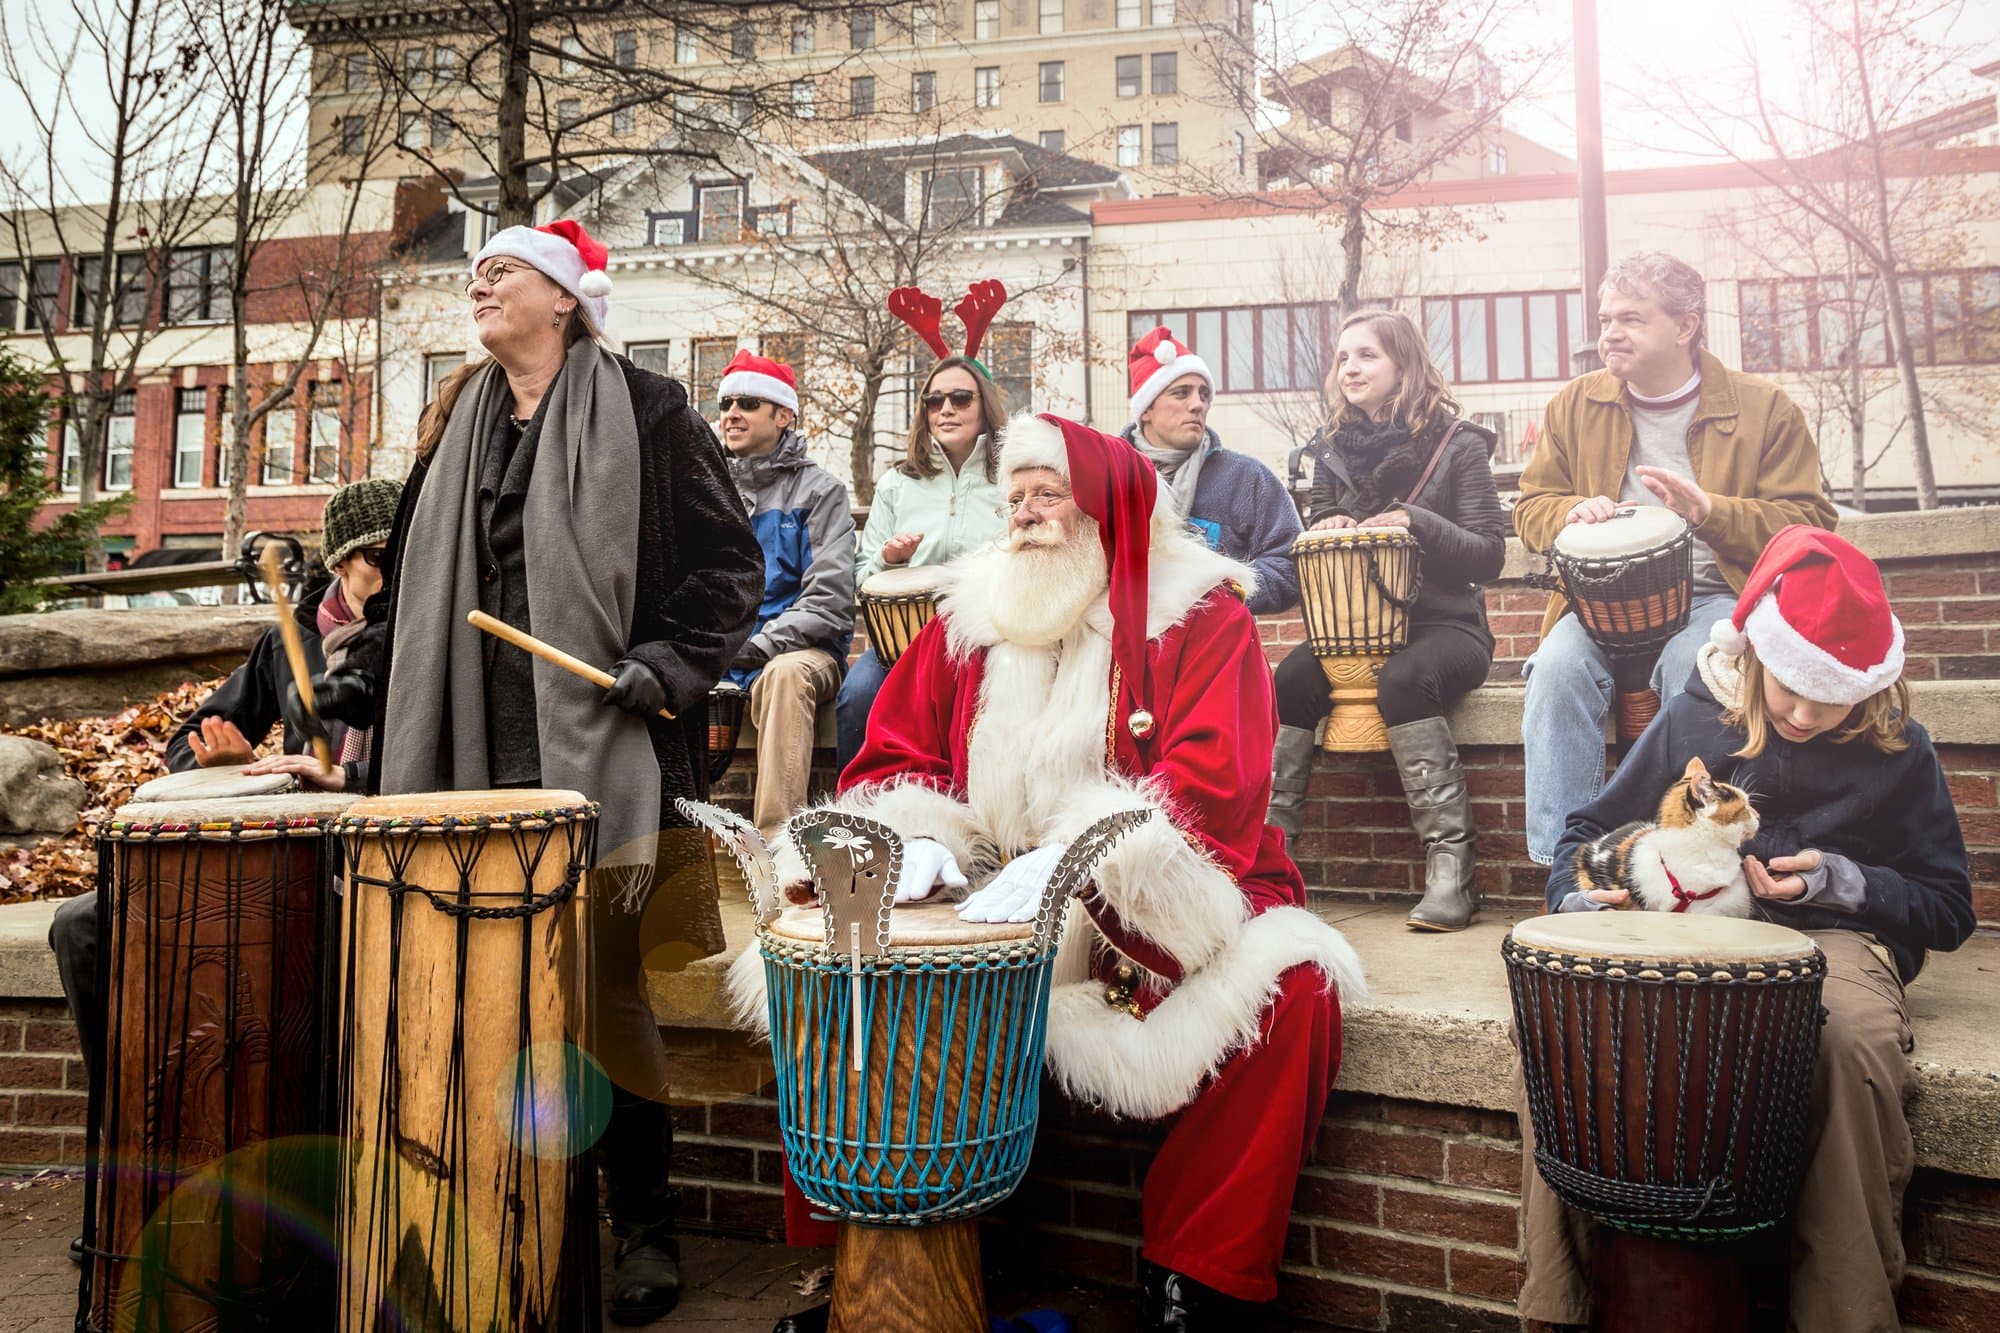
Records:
x=42, y=1087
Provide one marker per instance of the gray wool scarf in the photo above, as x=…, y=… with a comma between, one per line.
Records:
x=581, y=520
x=1180, y=469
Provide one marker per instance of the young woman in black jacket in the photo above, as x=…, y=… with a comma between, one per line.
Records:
x=1395, y=417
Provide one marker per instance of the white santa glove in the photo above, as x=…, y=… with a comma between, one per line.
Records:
x=1015, y=894
x=927, y=863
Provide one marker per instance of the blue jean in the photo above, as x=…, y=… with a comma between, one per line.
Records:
x=1568, y=700
x=855, y=701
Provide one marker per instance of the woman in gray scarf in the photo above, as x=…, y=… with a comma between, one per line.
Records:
x=567, y=492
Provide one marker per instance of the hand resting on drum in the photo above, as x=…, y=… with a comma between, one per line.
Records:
x=1015, y=894
x=899, y=548
x=1592, y=509
x=304, y=767
x=927, y=863
x=1332, y=522
x=1784, y=878
x=1388, y=518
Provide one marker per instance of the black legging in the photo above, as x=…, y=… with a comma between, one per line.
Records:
x=1441, y=662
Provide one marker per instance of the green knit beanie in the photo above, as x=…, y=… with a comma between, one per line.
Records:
x=359, y=514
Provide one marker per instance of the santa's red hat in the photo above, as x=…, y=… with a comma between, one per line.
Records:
x=1114, y=484
x=759, y=377
x=1157, y=360
x=1815, y=610
x=565, y=254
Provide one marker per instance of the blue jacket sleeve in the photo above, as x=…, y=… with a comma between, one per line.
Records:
x=824, y=611
x=1273, y=528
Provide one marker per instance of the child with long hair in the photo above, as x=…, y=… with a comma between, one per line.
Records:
x=1799, y=700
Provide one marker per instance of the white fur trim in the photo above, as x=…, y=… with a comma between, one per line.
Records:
x=596, y=282
x=1027, y=441
x=1155, y=384
x=1151, y=1068
x=756, y=384
x=1724, y=635
x=1807, y=669
x=749, y=1001
x=554, y=258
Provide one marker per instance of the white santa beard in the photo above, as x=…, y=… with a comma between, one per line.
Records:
x=1039, y=735
x=1049, y=579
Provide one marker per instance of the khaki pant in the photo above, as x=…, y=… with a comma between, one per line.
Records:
x=1847, y=1234
x=784, y=702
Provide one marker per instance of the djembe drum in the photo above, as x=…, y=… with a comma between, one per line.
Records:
x=1630, y=581
x=726, y=703
x=467, y=1198
x=895, y=605
x=1669, y=1063
x=1356, y=587
x=208, y=1190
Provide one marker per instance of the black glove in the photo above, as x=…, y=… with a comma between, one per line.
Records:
x=298, y=722
x=636, y=688
x=346, y=696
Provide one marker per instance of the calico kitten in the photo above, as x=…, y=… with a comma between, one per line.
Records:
x=1693, y=845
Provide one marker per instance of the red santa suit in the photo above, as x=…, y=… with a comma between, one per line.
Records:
x=1193, y=984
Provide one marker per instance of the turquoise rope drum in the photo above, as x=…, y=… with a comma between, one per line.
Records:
x=929, y=1113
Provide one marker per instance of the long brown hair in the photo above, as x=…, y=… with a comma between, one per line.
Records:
x=920, y=451
x=437, y=413
x=1422, y=392
x=1879, y=719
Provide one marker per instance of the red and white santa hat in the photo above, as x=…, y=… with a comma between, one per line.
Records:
x=759, y=377
x=565, y=254
x=1157, y=360
x=1815, y=610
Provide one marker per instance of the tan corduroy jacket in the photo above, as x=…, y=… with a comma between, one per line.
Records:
x=1748, y=443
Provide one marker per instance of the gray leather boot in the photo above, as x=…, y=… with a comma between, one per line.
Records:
x=1441, y=813
x=1291, y=773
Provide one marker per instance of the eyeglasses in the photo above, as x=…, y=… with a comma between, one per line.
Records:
x=370, y=556
x=494, y=273
x=959, y=398
x=742, y=400
x=1038, y=503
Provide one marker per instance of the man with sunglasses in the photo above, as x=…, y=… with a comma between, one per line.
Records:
x=795, y=657
x=1233, y=502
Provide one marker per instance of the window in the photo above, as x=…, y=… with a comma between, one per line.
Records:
x=802, y=34
x=624, y=121
x=1272, y=348
x=1128, y=13
x=687, y=46
x=953, y=196
x=569, y=110
x=861, y=31
x=861, y=95
x=280, y=441
x=986, y=87
x=1049, y=16
x=1403, y=130
x=45, y=285
x=774, y=221
x=410, y=130
x=1163, y=12
x=225, y=435
x=353, y=135
x=1506, y=337
x=802, y=99
x=741, y=106
x=436, y=368
x=1242, y=152
x=1009, y=352
x=721, y=212
x=129, y=291
x=1052, y=140
x=648, y=356
x=69, y=462
x=190, y=435
x=1051, y=81
x=357, y=76
x=923, y=90
x=710, y=356
x=572, y=48
x=10, y=295
x=1496, y=159
x=625, y=49
x=1166, y=73
x=985, y=19
x=1953, y=317
x=416, y=67
x=198, y=283
x=444, y=66
x=1128, y=76
x=1166, y=143
x=743, y=41
x=323, y=464
x=440, y=130
x=118, y=442
x=665, y=229
x=1128, y=145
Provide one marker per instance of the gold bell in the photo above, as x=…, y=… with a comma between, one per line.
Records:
x=1140, y=723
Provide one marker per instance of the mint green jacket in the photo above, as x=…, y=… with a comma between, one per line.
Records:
x=957, y=513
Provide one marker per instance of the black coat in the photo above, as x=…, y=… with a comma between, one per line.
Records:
x=253, y=696
x=700, y=577
x=1458, y=522
x=1890, y=814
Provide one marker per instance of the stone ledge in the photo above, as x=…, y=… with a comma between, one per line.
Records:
x=69, y=641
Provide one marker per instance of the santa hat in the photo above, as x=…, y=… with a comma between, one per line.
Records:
x=565, y=254
x=1815, y=610
x=1157, y=361
x=760, y=377
x=1114, y=484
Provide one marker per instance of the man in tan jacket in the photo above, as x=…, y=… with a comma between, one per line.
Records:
x=1664, y=423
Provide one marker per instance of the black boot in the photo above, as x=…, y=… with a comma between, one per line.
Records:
x=1171, y=1302
x=1291, y=772
x=812, y=1319
x=646, y=1280
x=1441, y=813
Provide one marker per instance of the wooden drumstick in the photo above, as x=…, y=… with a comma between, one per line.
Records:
x=528, y=643
x=295, y=647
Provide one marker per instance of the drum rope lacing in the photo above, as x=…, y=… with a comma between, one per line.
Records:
x=399, y=846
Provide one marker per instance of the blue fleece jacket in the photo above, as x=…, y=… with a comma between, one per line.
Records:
x=1242, y=510
x=800, y=514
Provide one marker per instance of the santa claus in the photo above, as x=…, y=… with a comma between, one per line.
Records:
x=1099, y=658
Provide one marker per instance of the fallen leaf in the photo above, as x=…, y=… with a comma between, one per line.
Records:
x=814, y=1280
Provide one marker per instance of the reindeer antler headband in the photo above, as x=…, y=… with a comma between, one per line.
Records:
x=925, y=314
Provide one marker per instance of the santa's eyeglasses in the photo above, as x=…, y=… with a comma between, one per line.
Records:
x=1040, y=502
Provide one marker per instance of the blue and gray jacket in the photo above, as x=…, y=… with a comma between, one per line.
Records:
x=800, y=514
x=1242, y=510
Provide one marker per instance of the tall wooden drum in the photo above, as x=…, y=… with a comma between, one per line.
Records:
x=896, y=604
x=468, y=1109
x=1356, y=588
x=1630, y=581
x=209, y=1188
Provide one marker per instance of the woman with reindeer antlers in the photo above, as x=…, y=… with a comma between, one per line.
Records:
x=940, y=501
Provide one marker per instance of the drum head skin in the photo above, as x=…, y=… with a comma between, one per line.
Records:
x=1309, y=540
x=433, y=805
x=292, y=808
x=1663, y=937
x=1644, y=528
x=223, y=783
x=904, y=581
x=911, y=926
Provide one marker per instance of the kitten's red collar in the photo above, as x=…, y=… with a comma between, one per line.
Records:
x=1682, y=898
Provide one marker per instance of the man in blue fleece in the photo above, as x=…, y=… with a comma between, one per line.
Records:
x=796, y=656
x=1237, y=505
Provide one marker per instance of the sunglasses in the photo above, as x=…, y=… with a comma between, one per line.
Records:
x=744, y=401
x=959, y=398
x=370, y=556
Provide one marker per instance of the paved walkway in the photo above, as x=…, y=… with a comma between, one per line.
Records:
x=733, y=1286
